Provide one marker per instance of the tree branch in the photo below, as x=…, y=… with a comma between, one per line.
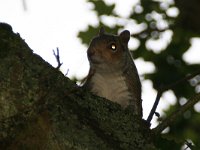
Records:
x=37, y=97
x=170, y=86
x=153, y=110
x=170, y=119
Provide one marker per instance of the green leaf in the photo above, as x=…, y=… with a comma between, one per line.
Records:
x=169, y=63
x=86, y=36
x=102, y=8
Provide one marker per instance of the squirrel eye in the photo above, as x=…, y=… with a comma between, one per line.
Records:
x=113, y=47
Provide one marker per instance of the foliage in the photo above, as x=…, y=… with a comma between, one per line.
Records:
x=154, y=20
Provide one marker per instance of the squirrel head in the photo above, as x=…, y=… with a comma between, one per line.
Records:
x=108, y=49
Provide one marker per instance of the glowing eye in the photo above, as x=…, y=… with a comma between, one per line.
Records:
x=113, y=47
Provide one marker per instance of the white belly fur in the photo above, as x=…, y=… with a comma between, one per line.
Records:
x=113, y=87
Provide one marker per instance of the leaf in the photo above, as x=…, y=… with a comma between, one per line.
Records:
x=102, y=8
x=86, y=36
x=169, y=63
x=164, y=142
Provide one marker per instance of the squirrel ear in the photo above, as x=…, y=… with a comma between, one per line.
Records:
x=101, y=31
x=125, y=36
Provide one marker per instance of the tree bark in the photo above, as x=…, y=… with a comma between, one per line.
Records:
x=40, y=108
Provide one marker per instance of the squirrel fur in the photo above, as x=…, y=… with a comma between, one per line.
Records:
x=113, y=74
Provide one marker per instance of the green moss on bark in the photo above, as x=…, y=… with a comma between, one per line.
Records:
x=42, y=109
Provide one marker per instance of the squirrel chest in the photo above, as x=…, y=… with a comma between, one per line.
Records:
x=111, y=86
x=113, y=74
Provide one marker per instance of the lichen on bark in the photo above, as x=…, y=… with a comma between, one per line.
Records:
x=40, y=108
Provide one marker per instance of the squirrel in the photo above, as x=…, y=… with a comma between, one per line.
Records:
x=113, y=74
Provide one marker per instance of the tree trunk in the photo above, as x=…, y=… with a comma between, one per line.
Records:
x=40, y=108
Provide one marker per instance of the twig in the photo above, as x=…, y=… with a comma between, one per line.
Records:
x=153, y=110
x=24, y=5
x=188, y=144
x=57, y=56
x=67, y=72
x=162, y=89
x=170, y=119
x=170, y=86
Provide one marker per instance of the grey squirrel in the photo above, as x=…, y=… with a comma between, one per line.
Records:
x=113, y=74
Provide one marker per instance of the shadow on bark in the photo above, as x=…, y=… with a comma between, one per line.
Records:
x=40, y=108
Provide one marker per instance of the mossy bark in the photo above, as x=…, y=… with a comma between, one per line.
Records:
x=40, y=108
